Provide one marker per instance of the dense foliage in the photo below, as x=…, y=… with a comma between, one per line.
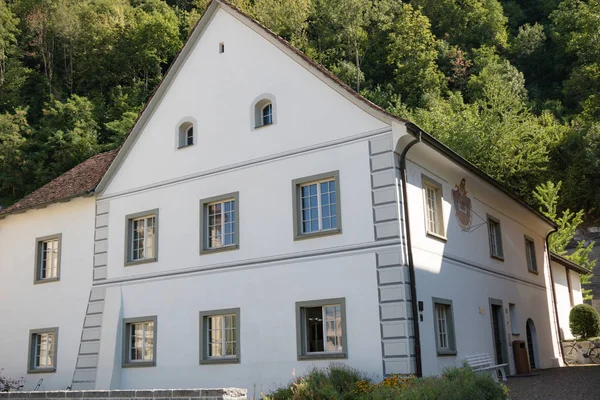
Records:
x=340, y=382
x=584, y=321
x=512, y=85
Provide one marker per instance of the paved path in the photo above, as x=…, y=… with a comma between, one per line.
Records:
x=569, y=383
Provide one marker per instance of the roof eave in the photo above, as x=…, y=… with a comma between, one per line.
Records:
x=569, y=264
x=65, y=199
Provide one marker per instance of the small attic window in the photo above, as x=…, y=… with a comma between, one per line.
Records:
x=264, y=111
x=221, y=47
x=185, y=135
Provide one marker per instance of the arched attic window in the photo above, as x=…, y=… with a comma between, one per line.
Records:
x=186, y=135
x=264, y=111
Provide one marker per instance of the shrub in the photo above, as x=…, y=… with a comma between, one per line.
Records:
x=584, y=321
x=8, y=384
x=339, y=382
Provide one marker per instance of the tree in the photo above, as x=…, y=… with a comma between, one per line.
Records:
x=584, y=321
x=412, y=54
x=8, y=30
x=14, y=131
x=547, y=196
x=469, y=23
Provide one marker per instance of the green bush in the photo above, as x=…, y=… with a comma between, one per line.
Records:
x=584, y=321
x=339, y=382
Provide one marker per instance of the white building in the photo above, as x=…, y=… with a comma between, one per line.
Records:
x=214, y=254
x=567, y=285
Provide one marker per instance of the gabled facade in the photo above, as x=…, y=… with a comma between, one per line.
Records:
x=566, y=276
x=261, y=218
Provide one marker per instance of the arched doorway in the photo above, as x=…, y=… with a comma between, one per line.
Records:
x=532, y=348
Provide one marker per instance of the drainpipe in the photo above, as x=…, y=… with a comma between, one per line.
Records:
x=555, y=306
x=411, y=265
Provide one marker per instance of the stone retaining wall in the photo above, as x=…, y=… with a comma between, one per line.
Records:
x=166, y=394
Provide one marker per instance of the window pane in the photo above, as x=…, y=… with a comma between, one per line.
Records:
x=215, y=336
x=314, y=329
x=333, y=317
x=442, y=326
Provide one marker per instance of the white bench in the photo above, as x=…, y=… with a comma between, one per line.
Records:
x=485, y=362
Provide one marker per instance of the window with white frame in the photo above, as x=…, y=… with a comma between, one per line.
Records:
x=317, y=205
x=321, y=328
x=530, y=255
x=444, y=327
x=495, y=238
x=142, y=234
x=47, y=267
x=220, y=223
x=264, y=111
x=267, y=114
x=139, y=347
x=43, y=349
x=185, y=134
x=434, y=220
x=219, y=336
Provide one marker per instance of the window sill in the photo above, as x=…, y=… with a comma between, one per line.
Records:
x=48, y=280
x=220, y=360
x=446, y=353
x=533, y=272
x=140, y=364
x=499, y=258
x=41, y=370
x=328, y=232
x=138, y=262
x=437, y=236
x=263, y=126
x=219, y=249
x=516, y=334
x=184, y=147
x=322, y=356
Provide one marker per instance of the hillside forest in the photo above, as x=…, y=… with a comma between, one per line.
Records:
x=511, y=85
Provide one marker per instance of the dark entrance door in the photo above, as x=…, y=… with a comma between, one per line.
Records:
x=530, y=346
x=496, y=328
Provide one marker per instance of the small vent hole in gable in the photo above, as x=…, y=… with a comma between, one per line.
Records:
x=221, y=47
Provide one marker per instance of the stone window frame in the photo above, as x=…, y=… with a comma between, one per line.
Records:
x=296, y=206
x=126, y=363
x=427, y=182
x=301, y=331
x=529, y=241
x=258, y=104
x=499, y=243
x=450, y=325
x=31, y=369
x=204, y=249
x=38, y=261
x=203, y=337
x=129, y=236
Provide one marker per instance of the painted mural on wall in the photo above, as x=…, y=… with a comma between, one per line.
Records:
x=462, y=205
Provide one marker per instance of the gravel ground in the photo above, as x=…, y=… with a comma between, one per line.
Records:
x=580, y=382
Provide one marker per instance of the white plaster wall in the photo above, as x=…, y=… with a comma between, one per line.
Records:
x=563, y=300
x=265, y=212
x=62, y=304
x=266, y=296
x=218, y=90
x=461, y=269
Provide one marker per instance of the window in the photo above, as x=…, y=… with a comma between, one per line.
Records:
x=530, y=255
x=434, y=220
x=220, y=336
x=443, y=322
x=219, y=223
x=264, y=111
x=185, y=134
x=317, y=205
x=495, y=237
x=142, y=237
x=47, y=258
x=221, y=48
x=267, y=114
x=139, y=342
x=321, y=329
x=43, y=350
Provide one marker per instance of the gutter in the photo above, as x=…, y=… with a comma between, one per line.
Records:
x=560, y=338
x=411, y=266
